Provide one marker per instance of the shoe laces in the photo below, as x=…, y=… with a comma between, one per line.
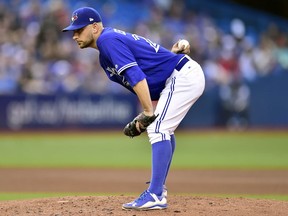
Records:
x=143, y=195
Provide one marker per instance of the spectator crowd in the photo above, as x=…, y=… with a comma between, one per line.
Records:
x=37, y=58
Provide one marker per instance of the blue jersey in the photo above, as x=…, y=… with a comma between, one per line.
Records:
x=128, y=58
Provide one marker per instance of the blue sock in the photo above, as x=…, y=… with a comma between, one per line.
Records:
x=173, y=146
x=161, y=155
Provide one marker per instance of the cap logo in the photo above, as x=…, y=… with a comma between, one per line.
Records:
x=91, y=19
x=74, y=17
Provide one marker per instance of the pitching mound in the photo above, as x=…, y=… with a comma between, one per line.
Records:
x=111, y=205
x=113, y=181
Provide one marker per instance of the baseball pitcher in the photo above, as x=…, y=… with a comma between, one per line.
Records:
x=153, y=73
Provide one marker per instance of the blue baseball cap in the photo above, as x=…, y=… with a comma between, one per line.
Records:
x=83, y=17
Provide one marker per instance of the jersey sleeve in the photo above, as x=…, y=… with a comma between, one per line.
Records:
x=123, y=60
x=118, y=54
x=133, y=75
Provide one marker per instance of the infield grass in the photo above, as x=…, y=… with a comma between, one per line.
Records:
x=195, y=149
x=23, y=196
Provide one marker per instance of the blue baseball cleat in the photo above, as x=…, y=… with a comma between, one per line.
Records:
x=146, y=201
x=164, y=191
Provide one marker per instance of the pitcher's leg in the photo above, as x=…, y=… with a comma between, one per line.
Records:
x=173, y=146
x=161, y=157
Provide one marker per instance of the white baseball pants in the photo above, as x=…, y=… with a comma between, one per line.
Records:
x=181, y=91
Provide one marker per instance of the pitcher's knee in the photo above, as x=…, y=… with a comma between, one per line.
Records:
x=158, y=136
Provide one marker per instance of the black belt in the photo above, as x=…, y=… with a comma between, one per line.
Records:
x=182, y=62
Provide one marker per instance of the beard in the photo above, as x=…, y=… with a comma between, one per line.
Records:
x=86, y=43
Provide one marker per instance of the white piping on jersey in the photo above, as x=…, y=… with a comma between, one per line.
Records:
x=181, y=59
x=127, y=66
x=172, y=88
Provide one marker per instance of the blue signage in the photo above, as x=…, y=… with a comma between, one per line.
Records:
x=100, y=111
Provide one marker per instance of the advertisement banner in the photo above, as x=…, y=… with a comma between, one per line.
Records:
x=66, y=111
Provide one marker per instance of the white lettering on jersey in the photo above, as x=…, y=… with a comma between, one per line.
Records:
x=137, y=37
x=119, y=31
x=112, y=71
x=154, y=45
x=125, y=82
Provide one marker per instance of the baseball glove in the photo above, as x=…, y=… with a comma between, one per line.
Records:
x=143, y=120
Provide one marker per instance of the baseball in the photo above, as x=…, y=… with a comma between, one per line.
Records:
x=182, y=43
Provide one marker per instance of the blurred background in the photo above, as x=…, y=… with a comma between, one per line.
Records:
x=47, y=82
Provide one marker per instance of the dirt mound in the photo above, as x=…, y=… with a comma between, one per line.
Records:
x=111, y=205
x=111, y=181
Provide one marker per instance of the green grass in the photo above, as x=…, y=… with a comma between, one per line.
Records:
x=237, y=150
x=24, y=196
x=197, y=150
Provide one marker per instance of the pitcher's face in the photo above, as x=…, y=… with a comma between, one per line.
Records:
x=84, y=36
